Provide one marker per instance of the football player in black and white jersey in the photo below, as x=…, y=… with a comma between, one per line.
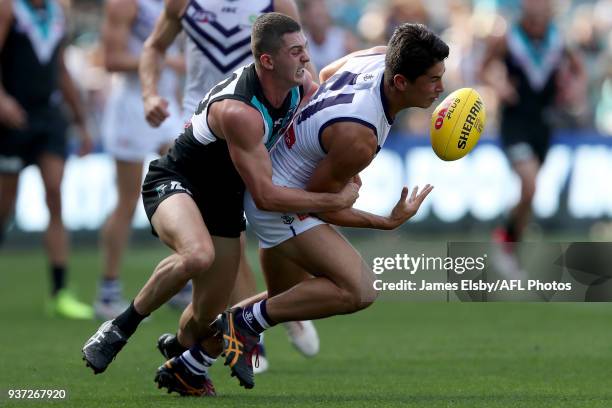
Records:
x=311, y=270
x=540, y=72
x=218, y=34
x=193, y=197
x=34, y=81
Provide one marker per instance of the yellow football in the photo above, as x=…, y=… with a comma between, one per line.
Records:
x=457, y=123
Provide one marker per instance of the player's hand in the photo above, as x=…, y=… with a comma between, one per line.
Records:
x=349, y=194
x=156, y=110
x=12, y=114
x=406, y=207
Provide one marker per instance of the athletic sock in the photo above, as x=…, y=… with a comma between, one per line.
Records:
x=255, y=317
x=129, y=320
x=58, y=278
x=109, y=290
x=197, y=360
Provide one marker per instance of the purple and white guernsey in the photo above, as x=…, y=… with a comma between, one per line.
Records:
x=218, y=42
x=352, y=94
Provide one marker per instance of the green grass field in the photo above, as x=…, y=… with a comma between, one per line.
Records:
x=392, y=354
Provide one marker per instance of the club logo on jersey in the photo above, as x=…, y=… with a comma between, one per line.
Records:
x=290, y=137
x=368, y=77
x=203, y=16
x=287, y=219
x=285, y=125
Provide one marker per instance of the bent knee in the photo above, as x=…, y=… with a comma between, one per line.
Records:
x=355, y=300
x=196, y=261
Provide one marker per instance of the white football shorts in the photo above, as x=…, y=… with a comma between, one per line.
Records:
x=127, y=136
x=273, y=228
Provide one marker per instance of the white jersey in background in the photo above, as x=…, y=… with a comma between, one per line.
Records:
x=332, y=49
x=352, y=94
x=125, y=132
x=218, y=42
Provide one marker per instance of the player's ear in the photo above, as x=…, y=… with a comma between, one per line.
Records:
x=266, y=61
x=400, y=82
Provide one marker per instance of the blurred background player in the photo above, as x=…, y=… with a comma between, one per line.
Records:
x=327, y=41
x=538, y=72
x=218, y=42
x=126, y=134
x=34, y=83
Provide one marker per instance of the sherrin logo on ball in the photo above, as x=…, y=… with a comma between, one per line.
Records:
x=456, y=124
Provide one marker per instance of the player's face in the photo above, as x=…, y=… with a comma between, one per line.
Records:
x=291, y=59
x=427, y=88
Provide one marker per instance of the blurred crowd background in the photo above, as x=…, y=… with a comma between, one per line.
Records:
x=466, y=25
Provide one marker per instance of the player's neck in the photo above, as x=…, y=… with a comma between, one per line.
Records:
x=274, y=92
x=390, y=102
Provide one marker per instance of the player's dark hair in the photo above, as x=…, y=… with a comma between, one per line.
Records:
x=267, y=33
x=412, y=50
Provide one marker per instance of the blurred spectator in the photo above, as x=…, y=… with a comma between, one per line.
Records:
x=402, y=11
x=326, y=42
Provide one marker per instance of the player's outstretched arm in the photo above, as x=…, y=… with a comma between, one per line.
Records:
x=166, y=29
x=351, y=147
x=242, y=127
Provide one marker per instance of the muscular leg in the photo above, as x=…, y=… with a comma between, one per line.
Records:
x=8, y=196
x=527, y=170
x=211, y=295
x=290, y=274
x=282, y=274
x=245, y=291
x=342, y=282
x=116, y=230
x=179, y=224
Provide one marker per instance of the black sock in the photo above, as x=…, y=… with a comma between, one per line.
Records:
x=58, y=278
x=511, y=230
x=129, y=320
